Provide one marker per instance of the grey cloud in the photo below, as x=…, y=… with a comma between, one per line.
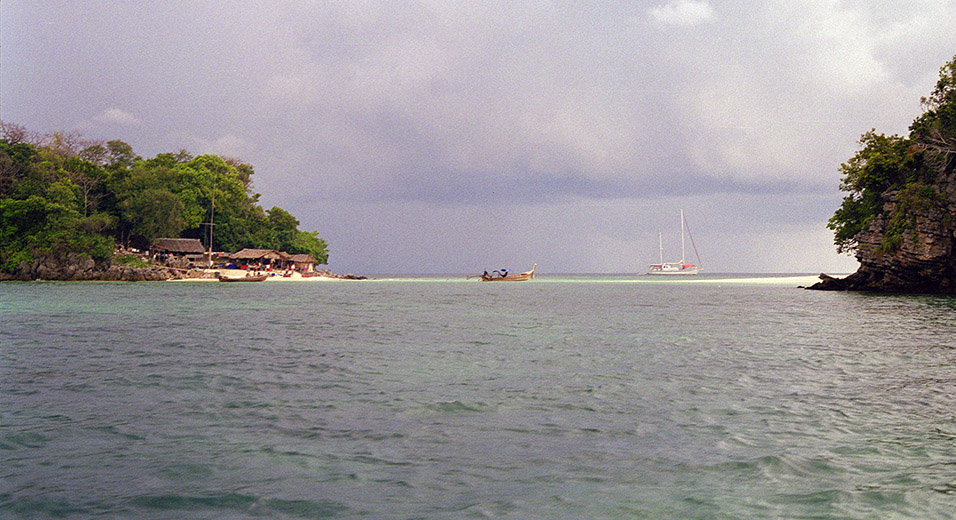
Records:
x=475, y=104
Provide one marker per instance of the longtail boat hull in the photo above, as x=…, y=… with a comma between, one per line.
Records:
x=520, y=277
x=259, y=278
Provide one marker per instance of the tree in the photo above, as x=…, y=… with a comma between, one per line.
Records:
x=907, y=166
x=308, y=242
x=935, y=129
x=881, y=163
x=121, y=154
x=96, y=154
x=66, y=144
x=155, y=213
x=15, y=134
x=212, y=188
x=16, y=161
x=134, y=194
x=283, y=228
x=86, y=175
x=63, y=195
x=36, y=226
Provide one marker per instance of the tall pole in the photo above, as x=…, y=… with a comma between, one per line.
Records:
x=660, y=241
x=212, y=219
x=682, y=237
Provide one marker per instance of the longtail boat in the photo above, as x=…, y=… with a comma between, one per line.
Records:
x=257, y=278
x=497, y=276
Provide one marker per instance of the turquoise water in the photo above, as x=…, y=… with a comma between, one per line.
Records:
x=567, y=397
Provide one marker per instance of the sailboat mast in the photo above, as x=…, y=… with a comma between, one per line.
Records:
x=682, y=237
x=212, y=218
x=660, y=240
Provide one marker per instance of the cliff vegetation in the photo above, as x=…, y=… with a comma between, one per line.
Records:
x=899, y=215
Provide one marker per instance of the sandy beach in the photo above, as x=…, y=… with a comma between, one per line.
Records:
x=213, y=275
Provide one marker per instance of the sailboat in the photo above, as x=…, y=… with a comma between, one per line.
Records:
x=675, y=268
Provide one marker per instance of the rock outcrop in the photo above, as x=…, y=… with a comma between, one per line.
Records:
x=329, y=274
x=923, y=261
x=900, y=214
x=73, y=267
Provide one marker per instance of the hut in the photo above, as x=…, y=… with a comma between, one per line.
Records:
x=303, y=262
x=166, y=249
x=260, y=259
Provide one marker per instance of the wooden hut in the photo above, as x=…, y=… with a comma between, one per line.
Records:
x=178, y=248
x=260, y=259
x=303, y=262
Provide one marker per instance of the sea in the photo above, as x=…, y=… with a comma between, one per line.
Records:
x=566, y=397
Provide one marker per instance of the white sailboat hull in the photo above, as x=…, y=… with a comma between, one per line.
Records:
x=673, y=270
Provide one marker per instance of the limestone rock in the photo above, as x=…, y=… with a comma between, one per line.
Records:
x=922, y=262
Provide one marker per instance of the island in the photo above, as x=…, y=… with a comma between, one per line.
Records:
x=899, y=215
x=78, y=209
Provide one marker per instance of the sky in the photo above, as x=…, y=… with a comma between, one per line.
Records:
x=427, y=136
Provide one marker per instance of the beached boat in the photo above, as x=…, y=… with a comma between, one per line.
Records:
x=499, y=276
x=676, y=268
x=256, y=278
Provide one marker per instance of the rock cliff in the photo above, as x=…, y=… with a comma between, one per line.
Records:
x=899, y=216
x=924, y=261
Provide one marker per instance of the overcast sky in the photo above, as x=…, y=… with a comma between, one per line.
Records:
x=451, y=137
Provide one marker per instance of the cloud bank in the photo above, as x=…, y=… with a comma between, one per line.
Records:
x=683, y=12
x=115, y=116
x=515, y=111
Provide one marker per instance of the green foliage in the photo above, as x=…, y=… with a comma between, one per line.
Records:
x=939, y=114
x=97, y=223
x=36, y=226
x=121, y=154
x=131, y=261
x=283, y=228
x=883, y=162
x=58, y=199
x=15, y=165
x=914, y=198
x=902, y=166
x=63, y=192
x=848, y=221
x=154, y=213
x=308, y=242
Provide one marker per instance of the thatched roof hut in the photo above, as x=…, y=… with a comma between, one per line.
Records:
x=178, y=246
x=302, y=259
x=302, y=262
x=262, y=257
x=259, y=255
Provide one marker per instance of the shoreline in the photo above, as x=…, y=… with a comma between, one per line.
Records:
x=213, y=275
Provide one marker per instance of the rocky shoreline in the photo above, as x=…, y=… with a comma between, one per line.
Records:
x=922, y=263
x=76, y=268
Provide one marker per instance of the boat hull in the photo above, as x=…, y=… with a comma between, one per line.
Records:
x=520, y=277
x=260, y=278
x=673, y=270
x=687, y=272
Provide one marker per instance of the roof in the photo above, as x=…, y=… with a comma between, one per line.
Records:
x=256, y=254
x=179, y=245
x=302, y=259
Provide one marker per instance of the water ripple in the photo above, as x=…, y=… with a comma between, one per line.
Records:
x=398, y=399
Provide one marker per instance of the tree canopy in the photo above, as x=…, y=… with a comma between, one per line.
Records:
x=907, y=166
x=62, y=194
